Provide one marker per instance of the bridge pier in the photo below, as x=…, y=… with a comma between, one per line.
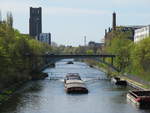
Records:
x=112, y=61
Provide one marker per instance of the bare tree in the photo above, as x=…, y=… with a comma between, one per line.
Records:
x=10, y=19
x=0, y=16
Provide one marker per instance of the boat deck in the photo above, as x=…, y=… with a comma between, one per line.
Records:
x=140, y=98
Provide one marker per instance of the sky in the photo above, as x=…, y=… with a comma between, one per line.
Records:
x=70, y=20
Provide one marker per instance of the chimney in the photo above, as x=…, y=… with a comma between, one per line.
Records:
x=114, y=21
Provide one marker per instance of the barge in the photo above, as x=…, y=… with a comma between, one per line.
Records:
x=118, y=81
x=74, y=84
x=140, y=98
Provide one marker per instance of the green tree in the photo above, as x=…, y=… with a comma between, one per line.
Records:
x=141, y=55
x=120, y=46
x=90, y=52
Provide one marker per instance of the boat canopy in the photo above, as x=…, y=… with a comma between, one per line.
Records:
x=75, y=86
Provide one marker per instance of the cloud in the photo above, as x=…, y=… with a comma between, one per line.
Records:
x=16, y=6
x=23, y=7
x=63, y=10
x=133, y=2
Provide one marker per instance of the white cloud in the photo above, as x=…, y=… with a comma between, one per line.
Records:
x=133, y=2
x=16, y=6
x=62, y=10
x=23, y=7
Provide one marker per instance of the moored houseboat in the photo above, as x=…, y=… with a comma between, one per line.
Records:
x=140, y=98
x=70, y=62
x=74, y=84
x=118, y=81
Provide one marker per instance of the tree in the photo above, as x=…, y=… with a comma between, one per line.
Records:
x=90, y=52
x=141, y=54
x=120, y=45
x=0, y=16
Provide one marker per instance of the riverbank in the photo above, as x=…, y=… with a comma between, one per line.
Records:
x=135, y=84
x=112, y=73
x=39, y=76
x=7, y=93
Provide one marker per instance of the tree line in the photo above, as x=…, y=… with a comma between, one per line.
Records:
x=15, y=66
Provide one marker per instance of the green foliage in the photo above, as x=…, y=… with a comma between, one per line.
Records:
x=142, y=54
x=140, y=58
x=14, y=65
x=131, y=57
x=90, y=52
x=121, y=46
x=75, y=50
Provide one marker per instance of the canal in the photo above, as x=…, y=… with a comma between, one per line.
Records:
x=48, y=96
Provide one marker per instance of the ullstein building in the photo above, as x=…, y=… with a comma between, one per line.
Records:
x=35, y=21
x=35, y=26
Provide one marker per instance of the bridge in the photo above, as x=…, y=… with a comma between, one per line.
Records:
x=52, y=56
x=77, y=56
x=100, y=58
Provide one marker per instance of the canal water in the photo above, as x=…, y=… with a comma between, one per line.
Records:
x=48, y=96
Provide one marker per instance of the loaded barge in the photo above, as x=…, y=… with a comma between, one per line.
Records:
x=140, y=98
x=74, y=84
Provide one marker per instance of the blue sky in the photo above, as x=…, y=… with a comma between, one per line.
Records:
x=70, y=20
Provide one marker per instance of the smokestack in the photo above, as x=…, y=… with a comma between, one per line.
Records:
x=114, y=21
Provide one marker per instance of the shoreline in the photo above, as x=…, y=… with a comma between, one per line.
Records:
x=7, y=93
x=132, y=83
